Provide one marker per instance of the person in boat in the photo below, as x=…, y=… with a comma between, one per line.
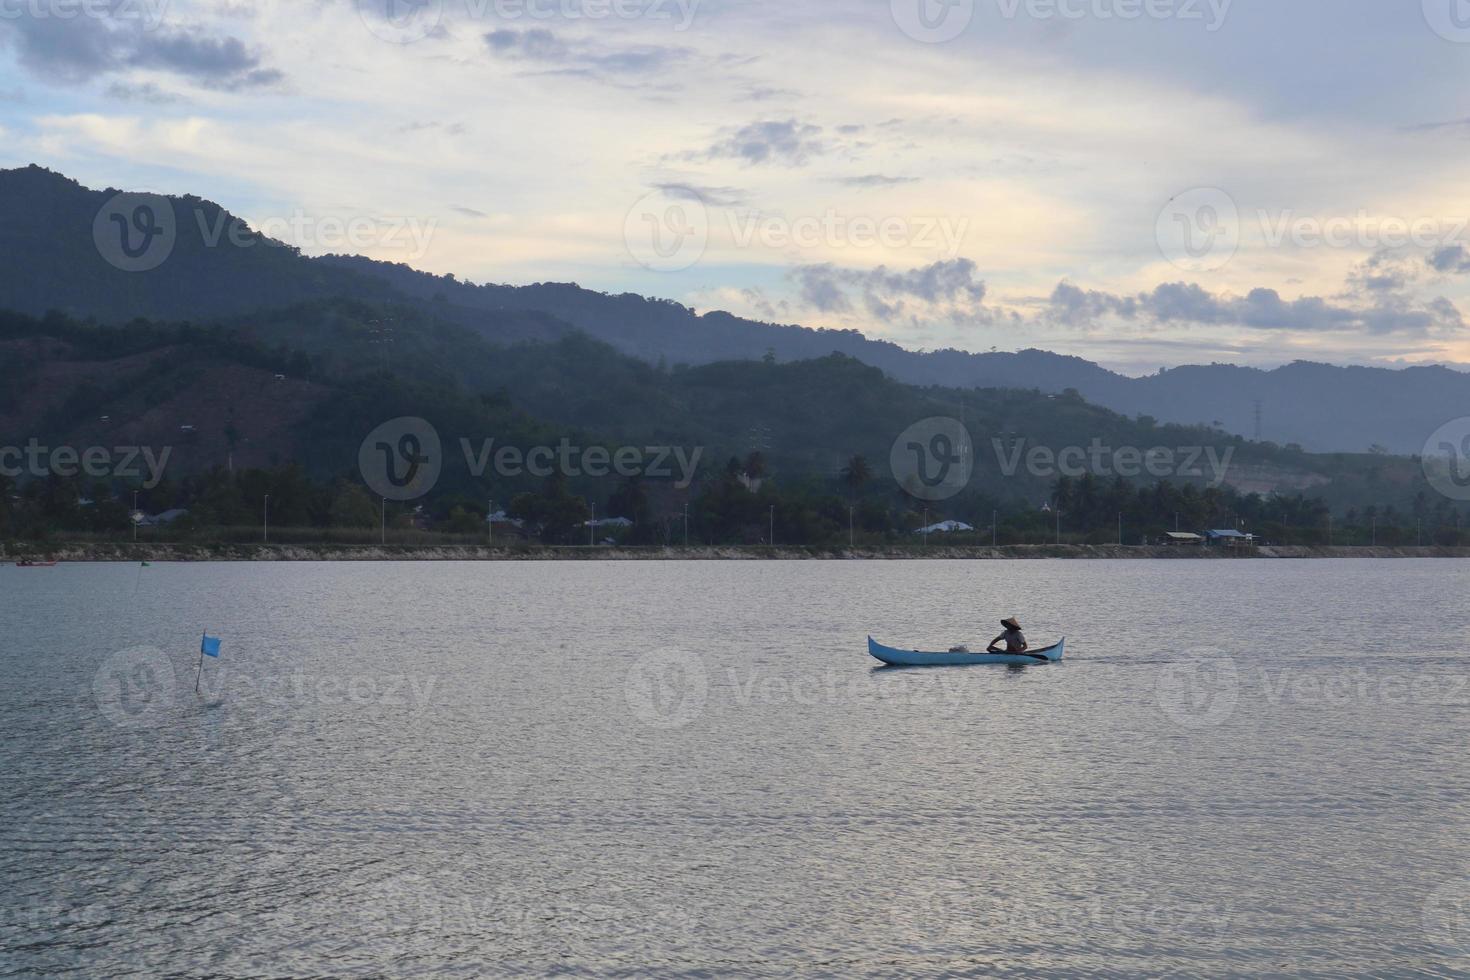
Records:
x=1013, y=638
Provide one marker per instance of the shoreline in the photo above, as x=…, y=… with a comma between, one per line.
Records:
x=128, y=552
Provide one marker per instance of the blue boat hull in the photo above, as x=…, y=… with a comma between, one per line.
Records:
x=917, y=658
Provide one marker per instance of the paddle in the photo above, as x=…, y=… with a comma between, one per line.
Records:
x=1034, y=656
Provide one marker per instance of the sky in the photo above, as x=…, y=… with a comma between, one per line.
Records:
x=1144, y=183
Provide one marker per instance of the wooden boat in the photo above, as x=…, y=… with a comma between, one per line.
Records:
x=36, y=564
x=917, y=658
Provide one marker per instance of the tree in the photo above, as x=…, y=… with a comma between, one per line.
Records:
x=352, y=507
x=560, y=516
x=464, y=521
x=856, y=473
x=630, y=500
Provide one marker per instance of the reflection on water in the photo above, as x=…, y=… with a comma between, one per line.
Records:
x=647, y=768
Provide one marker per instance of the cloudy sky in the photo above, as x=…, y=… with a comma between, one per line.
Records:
x=1140, y=182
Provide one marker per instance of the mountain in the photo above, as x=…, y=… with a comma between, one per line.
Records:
x=56, y=241
x=234, y=393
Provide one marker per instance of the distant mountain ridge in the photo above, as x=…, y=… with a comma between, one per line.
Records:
x=50, y=260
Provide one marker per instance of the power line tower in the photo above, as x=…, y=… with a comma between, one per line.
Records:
x=1259, y=410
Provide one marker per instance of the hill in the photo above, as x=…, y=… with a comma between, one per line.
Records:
x=50, y=258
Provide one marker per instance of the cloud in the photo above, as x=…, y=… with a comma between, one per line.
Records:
x=146, y=93
x=781, y=141
x=541, y=46
x=1260, y=309
x=821, y=289
x=765, y=93
x=80, y=49
x=452, y=129
x=719, y=197
x=874, y=180
x=1431, y=127
x=1382, y=272
x=942, y=290
x=1450, y=258
x=467, y=212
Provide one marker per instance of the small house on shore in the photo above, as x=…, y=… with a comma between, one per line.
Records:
x=1231, y=538
x=1184, y=538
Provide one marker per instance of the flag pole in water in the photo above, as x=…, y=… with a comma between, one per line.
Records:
x=208, y=647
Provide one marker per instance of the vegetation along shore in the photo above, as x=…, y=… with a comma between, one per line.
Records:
x=424, y=552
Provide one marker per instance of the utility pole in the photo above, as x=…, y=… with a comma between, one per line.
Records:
x=134, y=517
x=773, y=526
x=592, y=527
x=383, y=526
x=265, y=523
x=686, y=525
x=1059, y=523
x=994, y=530
x=490, y=522
x=850, y=511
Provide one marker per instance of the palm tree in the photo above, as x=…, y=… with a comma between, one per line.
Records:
x=856, y=473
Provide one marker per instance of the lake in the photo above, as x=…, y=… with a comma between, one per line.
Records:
x=647, y=768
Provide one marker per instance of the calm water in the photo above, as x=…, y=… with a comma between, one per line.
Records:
x=657, y=769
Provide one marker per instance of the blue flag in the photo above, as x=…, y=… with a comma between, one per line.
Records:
x=210, y=646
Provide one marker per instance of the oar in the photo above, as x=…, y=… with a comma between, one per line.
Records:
x=1036, y=656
